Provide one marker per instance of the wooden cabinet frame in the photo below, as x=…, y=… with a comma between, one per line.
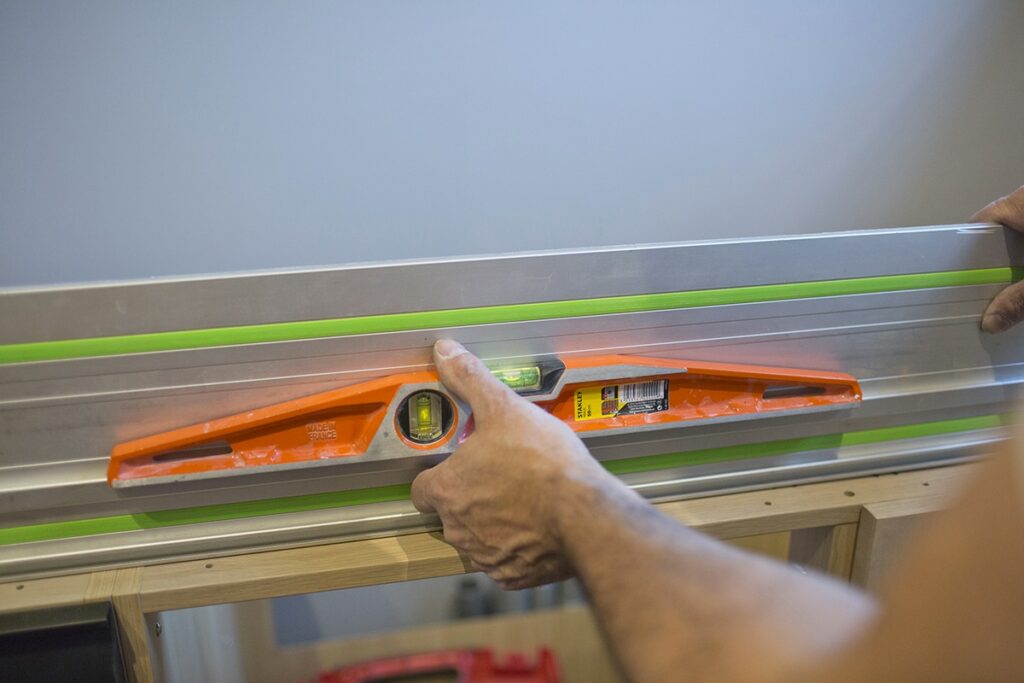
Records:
x=852, y=529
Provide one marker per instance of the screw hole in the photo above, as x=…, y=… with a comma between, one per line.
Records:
x=19, y=587
x=925, y=484
x=767, y=502
x=209, y=565
x=849, y=494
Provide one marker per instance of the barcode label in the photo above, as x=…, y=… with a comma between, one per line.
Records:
x=642, y=391
x=619, y=400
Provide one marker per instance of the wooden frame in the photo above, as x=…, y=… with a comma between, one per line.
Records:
x=848, y=528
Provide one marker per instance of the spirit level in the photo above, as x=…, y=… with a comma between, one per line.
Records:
x=412, y=414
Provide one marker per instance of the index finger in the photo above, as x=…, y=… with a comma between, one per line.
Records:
x=1008, y=211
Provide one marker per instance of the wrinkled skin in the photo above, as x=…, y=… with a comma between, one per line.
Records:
x=527, y=504
x=502, y=494
x=505, y=494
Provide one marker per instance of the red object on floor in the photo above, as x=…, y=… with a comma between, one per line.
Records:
x=469, y=666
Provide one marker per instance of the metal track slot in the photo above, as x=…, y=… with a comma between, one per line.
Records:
x=791, y=391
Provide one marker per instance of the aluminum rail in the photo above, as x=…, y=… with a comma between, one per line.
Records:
x=914, y=344
x=134, y=307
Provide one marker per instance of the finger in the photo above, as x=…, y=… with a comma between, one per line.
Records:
x=1005, y=311
x=517, y=584
x=468, y=377
x=422, y=492
x=455, y=536
x=1008, y=211
x=481, y=566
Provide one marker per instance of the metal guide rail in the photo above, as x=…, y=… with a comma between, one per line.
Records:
x=146, y=421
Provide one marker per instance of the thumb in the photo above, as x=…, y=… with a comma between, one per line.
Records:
x=467, y=376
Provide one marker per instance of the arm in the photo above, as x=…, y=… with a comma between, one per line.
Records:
x=677, y=605
x=954, y=603
x=528, y=504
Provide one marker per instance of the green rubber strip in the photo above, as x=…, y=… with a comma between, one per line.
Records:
x=488, y=315
x=811, y=443
x=320, y=501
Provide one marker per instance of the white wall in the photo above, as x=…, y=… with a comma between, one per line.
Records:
x=141, y=139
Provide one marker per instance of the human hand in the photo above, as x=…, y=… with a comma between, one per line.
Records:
x=504, y=494
x=1007, y=309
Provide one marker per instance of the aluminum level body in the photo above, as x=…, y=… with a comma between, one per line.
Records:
x=918, y=354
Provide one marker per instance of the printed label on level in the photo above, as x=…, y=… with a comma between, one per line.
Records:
x=635, y=398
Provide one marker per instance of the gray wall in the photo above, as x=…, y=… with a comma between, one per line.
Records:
x=141, y=139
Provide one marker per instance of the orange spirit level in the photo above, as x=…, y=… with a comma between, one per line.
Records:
x=412, y=414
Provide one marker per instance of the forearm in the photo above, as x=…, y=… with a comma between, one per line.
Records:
x=674, y=602
x=526, y=502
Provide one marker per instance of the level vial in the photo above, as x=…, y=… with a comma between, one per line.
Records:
x=425, y=417
x=519, y=379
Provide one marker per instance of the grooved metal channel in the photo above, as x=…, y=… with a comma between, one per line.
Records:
x=212, y=513
x=488, y=315
x=87, y=367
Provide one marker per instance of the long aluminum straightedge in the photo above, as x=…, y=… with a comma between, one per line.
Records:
x=85, y=367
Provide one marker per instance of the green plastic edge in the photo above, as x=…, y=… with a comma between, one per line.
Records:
x=404, y=322
x=320, y=501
